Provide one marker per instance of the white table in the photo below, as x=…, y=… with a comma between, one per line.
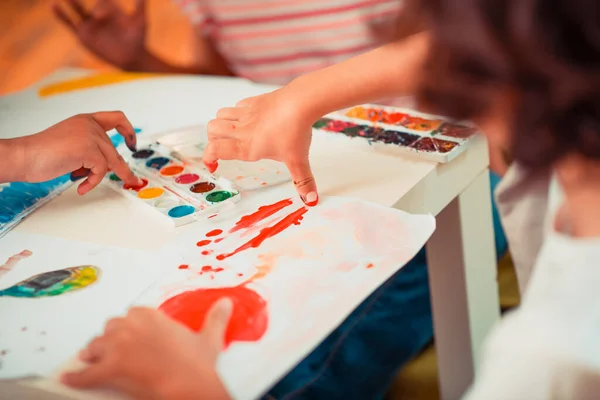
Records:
x=462, y=266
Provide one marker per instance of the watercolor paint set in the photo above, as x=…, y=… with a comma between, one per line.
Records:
x=401, y=131
x=189, y=144
x=177, y=189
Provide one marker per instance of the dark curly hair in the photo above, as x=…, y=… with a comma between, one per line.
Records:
x=545, y=52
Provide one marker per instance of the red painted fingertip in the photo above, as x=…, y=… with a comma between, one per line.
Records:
x=311, y=199
x=212, y=167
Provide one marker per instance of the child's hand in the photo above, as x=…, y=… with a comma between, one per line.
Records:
x=107, y=31
x=579, y=214
x=149, y=356
x=267, y=126
x=74, y=144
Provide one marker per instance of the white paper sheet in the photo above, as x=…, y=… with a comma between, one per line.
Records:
x=40, y=333
x=313, y=274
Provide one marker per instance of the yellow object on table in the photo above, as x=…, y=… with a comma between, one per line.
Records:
x=93, y=81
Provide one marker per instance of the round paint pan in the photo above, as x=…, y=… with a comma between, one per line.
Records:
x=218, y=196
x=157, y=162
x=202, y=187
x=143, y=154
x=181, y=211
x=187, y=179
x=136, y=188
x=150, y=193
x=171, y=170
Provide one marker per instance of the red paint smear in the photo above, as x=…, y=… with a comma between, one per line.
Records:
x=212, y=216
x=184, y=266
x=289, y=220
x=206, y=252
x=203, y=243
x=240, y=274
x=370, y=265
x=215, y=232
x=208, y=268
x=249, y=319
x=263, y=212
x=218, y=240
x=136, y=188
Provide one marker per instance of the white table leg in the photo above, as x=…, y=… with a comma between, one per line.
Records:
x=464, y=289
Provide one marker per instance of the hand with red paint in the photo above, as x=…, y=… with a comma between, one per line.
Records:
x=268, y=126
x=278, y=125
x=149, y=356
x=78, y=145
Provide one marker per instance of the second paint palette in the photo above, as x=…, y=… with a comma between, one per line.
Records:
x=401, y=131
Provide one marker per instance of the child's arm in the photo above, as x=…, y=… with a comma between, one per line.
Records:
x=120, y=39
x=149, y=356
x=79, y=143
x=277, y=125
x=389, y=71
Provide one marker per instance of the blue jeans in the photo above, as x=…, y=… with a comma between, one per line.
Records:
x=361, y=357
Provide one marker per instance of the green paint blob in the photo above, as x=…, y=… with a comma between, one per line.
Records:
x=219, y=196
x=114, y=177
x=320, y=123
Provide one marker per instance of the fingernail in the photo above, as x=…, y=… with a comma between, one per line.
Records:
x=226, y=306
x=131, y=145
x=311, y=199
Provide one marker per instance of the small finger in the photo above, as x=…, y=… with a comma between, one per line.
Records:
x=93, y=351
x=104, y=9
x=222, y=149
x=216, y=322
x=229, y=113
x=245, y=102
x=221, y=128
x=210, y=158
x=115, y=162
x=79, y=9
x=98, y=168
x=109, y=120
x=79, y=174
x=62, y=15
x=140, y=7
x=114, y=325
x=98, y=374
x=304, y=181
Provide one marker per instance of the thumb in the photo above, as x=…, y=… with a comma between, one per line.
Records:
x=92, y=376
x=217, y=320
x=304, y=181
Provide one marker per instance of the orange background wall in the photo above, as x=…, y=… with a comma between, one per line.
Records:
x=33, y=43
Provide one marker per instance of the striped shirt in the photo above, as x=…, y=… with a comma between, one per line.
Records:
x=274, y=41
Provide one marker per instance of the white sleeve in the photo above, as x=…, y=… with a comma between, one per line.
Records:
x=549, y=348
